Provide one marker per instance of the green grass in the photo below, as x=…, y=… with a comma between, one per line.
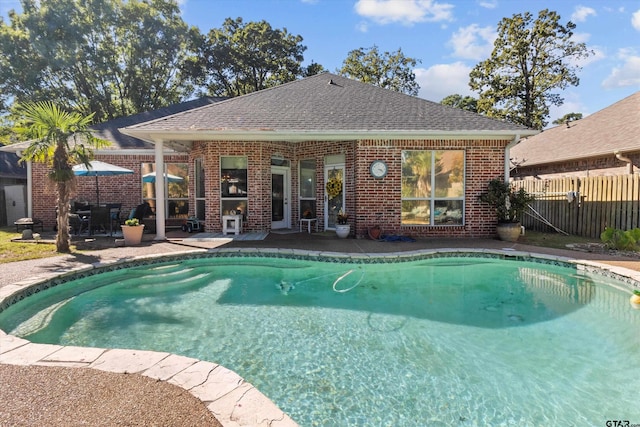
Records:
x=552, y=240
x=16, y=251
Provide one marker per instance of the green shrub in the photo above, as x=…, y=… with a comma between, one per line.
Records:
x=615, y=238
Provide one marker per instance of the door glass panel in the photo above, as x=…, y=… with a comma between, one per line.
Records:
x=277, y=198
x=335, y=189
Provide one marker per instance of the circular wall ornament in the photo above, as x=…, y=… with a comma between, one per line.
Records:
x=378, y=169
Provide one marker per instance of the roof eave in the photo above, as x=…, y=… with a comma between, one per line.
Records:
x=153, y=136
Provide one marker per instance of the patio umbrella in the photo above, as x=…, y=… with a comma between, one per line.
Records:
x=151, y=177
x=97, y=168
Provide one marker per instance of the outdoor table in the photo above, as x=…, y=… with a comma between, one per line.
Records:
x=308, y=222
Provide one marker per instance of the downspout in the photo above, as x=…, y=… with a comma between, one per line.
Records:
x=507, y=160
x=622, y=158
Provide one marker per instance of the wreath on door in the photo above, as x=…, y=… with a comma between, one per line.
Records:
x=334, y=187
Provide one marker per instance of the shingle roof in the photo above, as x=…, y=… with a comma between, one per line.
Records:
x=615, y=127
x=110, y=130
x=322, y=104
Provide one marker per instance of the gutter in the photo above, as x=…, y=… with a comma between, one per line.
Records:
x=627, y=160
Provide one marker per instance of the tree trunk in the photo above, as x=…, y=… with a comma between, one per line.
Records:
x=63, y=244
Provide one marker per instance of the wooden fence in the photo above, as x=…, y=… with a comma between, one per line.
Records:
x=583, y=206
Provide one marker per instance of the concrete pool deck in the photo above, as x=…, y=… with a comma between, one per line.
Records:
x=232, y=401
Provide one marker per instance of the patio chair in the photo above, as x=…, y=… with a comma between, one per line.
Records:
x=144, y=211
x=100, y=220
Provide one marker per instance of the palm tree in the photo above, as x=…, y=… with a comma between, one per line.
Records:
x=59, y=139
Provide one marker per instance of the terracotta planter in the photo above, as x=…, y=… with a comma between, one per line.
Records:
x=132, y=234
x=510, y=231
x=343, y=230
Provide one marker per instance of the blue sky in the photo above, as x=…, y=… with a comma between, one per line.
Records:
x=449, y=37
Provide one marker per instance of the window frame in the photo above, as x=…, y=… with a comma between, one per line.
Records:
x=434, y=201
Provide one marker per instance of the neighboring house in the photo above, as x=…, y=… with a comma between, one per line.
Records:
x=603, y=143
x=13, y=181
x=124, y=151
x=412, y=166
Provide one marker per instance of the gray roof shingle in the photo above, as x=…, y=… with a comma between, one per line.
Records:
x=615, y=127
x=323, y=103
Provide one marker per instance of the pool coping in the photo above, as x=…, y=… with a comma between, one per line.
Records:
x=231, y=399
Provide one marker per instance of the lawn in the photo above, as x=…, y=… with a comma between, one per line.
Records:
x=14, y=251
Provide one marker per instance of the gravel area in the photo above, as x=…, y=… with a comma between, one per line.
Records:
x=54, y=396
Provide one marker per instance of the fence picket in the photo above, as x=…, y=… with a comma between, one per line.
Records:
x=612, y=201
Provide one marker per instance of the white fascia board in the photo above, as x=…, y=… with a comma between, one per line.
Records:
x=299, y=136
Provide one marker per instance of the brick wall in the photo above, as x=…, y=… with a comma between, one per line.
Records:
x=373, y=201
x=379, y=201
x=125, y=189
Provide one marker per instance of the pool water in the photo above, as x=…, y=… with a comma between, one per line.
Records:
x=447, y=341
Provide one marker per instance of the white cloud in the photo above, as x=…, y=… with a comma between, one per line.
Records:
x=406, y=12
x=581, y=13
x=442, y=80
x=473, y=42
x=628, y=74
x=488, y=4
x=635, y=19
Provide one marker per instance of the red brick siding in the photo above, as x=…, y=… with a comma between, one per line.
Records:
x=379, y=201
x=370, y=200
x=125, y=189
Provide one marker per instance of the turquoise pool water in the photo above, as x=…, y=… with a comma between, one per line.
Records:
x=448, y=341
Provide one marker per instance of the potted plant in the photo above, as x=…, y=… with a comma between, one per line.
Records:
x=132, y=232
x=342, y=227
x=509, y=205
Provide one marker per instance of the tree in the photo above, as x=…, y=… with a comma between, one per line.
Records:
x=108, y=57
x=530, y=59
x=388, y=70
x=242, y=58
x=468, y=103
x=60, y=139
x=569, y=117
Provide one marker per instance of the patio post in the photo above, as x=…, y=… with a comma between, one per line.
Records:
x=160, y=196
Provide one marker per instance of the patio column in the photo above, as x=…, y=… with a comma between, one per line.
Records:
x=160, y=196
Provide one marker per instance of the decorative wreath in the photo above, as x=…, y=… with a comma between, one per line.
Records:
x=334, y=187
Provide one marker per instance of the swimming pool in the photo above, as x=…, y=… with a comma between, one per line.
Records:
x=443, y=340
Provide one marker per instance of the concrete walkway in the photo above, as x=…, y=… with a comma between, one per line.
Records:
x=233, y=401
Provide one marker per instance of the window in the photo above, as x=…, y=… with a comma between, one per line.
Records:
x=233, y=185
x=176, y=188
x=433, y=187
x=199, y=187
x=307, y=189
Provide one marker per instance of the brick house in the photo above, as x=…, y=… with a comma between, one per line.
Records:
x=604, y=143
x=413, y=166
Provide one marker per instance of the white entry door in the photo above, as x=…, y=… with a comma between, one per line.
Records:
x=280, y=197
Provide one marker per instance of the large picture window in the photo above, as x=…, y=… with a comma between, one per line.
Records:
x=433, y=187
x=233, y=185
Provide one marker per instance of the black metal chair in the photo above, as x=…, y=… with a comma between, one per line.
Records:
x=100, y=220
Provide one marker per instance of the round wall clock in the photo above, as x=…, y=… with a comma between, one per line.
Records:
x=378, y=169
